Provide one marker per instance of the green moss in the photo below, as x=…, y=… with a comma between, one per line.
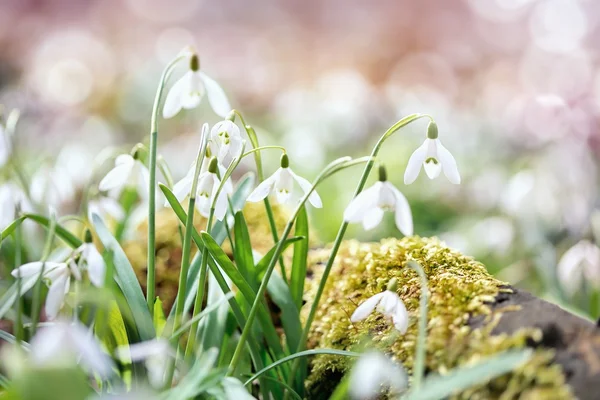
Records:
x=460, y=287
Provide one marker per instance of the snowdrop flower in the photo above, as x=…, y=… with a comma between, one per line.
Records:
x=154, y=353
x=374, y=371
x=433, y=157
x=12, y=200
x=208, y=184
x=387, y=303
x=90, y=258
x=129, y=171
x=371, y=203
x=582, y=261
x=235, y=390
x=226, y=139
x=51, y=186
x=65, y=343
x=188, y=91
x=282, y=183
x=106, y=207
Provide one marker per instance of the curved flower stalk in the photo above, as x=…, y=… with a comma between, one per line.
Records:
x=372, y=371
x=387, y=303
x=67, y=343
x=129, y=171
x=57, y=275
x=434, y=158
x=188, y=91
x=282, y=184
x=370, y=205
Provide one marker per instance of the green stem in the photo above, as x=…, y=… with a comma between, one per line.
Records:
x=421, y=351
x=150, y=282
x=278, y=250
x=19, y=319
x=342, y=230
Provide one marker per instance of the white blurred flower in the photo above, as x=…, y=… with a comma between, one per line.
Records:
x=128, y=172
x=371, y=203
x=387, y=303
x=235, y=390
x=226, y=140
x=373, y=372
x=434, y=158
x=188, y=91
x=51, y=187
x=5, y=147
x=106, y=207
x=582, y=261
x=154, y=353
x=282, y=183
x=93, y=261
x=63, y=342
x=12, y=200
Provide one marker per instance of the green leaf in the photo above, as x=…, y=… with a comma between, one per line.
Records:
x=70, y=239
x=10, y=296
x=127, y=282
x=264, y=262
x=243, y=249
x=116, y=334
x=158, y=316
x=299, y=261
x=439, y=387
x=11, y=228
x=304, y=353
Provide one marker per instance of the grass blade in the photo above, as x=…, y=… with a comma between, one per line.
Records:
x=298, y=274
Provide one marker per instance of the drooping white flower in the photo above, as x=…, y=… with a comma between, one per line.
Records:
x=226, y=140
x=208, y=185
x=434, y=158
x=68, y=343
x=368, y=207
x=106, y=207
x=154, y=353
x=51, y=186
x=373, y=372
x=92, y=261
x=12, y=200
x=282, y=183
x=582, y=261
x=128, y=172
x=387, y=303
x=188, y=91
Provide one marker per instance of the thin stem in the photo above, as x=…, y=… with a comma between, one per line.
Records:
x=18, y=261
x=150, y=282
x=419, y=364
x=265, y=280
x=261, y=148
x=186, y=250
x=342, y=230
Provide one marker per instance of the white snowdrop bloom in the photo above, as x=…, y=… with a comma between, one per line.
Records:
x=188, y=91
x=128, y=172
x=154, y=353
x=235, y=390
x=12, y=200
x=106, y=207
x=582, y=261
x=370, y=204
x=63, y=343
x=373, y=372
x=434, y=158
x=5, y=146
x=282, y=183
x=387, y=303
x=226, y=140
x=51, y=187
x=92, y=260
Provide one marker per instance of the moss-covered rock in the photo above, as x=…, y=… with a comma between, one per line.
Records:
x=460, y=289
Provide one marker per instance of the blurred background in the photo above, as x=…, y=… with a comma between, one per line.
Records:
x=513, y=84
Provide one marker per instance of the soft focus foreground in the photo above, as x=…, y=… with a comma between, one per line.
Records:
x=513, y=86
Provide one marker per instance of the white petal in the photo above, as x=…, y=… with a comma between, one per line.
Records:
x=403, y=215
x=116, y=177
x=372, y=218
x=143, y=350
x=263, y=189
x=203, y=205
x=112, y=207
x=400, y=317
x=143, y=179
x=414, y=164
x=182, y=189
x=235, y=390
x=361, y=204
x=173, y=101
x=432, y=169
x=366, y=308
x=216, y=96
x=56, y=295
x=448, y=164
x=34, y=268
x=124, y=159
x=192, y=95
x=282, y=196
x=95, y=266
x=314, y=198
x=49, y=343
x=228, y=187
x=221, y=203
x=89, y=351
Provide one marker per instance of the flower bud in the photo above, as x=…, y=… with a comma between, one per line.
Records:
x=285, y=161
x=212, y=166
x=432, y=130
x=194, y=63
x=382, y=173
x=88, y=236
x=392, y=285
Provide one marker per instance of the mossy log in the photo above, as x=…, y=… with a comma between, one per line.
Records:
x=471, y=315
